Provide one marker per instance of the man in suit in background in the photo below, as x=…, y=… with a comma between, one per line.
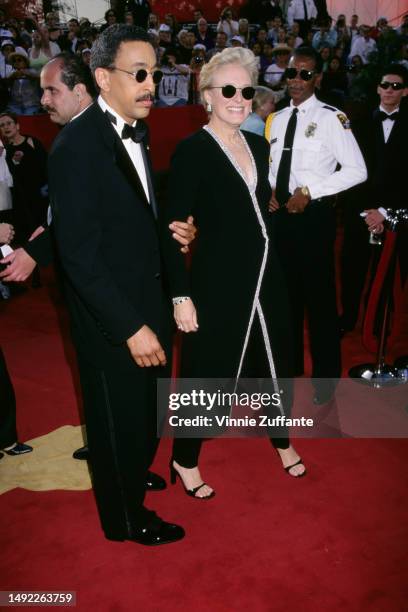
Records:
x=68, y=89
x=382, y=139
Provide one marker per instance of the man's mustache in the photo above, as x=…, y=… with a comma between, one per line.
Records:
x=49, y=109
x=146, y=97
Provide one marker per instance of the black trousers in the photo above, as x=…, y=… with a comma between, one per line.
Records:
x=8, y=429
x=305, y=246
x=120, y=415
x=186, y=451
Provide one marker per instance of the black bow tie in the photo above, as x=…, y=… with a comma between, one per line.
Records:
x=136, y=133
x=383, y=116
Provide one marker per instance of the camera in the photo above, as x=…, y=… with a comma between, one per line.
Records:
x=198, y=59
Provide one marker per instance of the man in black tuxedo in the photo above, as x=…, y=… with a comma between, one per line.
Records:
x=382, y=138
x=104, y=219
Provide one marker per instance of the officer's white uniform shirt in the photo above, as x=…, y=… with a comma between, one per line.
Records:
x=296, y=11
x=323, y=139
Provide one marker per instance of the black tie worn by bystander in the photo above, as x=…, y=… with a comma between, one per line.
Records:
x=383, y=116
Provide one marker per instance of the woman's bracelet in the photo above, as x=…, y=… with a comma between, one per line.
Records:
x=180, y=300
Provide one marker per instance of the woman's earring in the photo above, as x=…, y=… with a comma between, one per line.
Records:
x=209, y=107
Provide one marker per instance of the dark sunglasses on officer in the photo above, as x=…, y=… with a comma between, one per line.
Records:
x=305, y=75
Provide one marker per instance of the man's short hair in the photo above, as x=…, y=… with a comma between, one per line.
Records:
x=397, y=69
x=310, y=53
x=75, y=72
x=105, y=48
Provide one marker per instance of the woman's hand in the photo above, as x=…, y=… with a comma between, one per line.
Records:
x=185, y=316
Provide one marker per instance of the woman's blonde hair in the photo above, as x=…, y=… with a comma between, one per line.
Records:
x=232, y=55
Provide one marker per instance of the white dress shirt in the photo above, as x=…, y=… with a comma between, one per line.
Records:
x=323, y=139
x=388, y=124
x=133, y=148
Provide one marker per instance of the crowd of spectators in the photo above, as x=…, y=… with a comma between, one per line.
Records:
x=350, y=51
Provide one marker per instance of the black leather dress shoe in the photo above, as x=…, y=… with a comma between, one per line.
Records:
x=154, y=482
x=81, y=453
x=156, y=534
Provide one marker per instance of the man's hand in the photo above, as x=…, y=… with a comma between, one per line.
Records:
x=298, y=202
x=184, y=233
x=19, y=266
x=273, y=204
x=6, y=233
x=145, y=348
x=36, y=233
x=185, y=316
x=374, y=220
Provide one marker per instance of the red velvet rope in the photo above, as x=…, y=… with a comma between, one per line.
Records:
x=370, y=341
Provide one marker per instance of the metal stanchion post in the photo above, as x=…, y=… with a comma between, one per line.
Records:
x=379, y=374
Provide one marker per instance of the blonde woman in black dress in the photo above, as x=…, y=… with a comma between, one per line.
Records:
x=231, y=304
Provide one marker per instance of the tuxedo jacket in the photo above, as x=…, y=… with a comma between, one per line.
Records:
x=106, y=239
x=386, y=161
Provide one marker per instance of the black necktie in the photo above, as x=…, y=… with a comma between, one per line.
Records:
x=282, y=180
x=305, y=9
x=383, y=116
x=136, y=133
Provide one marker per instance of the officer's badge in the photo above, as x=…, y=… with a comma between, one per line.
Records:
x=344, y=121
x=310, y=130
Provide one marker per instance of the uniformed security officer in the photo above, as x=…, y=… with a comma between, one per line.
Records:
x=314, y=156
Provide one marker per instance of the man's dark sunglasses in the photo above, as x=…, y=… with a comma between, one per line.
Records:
x=229, y=91
x=141, y=75
x=305, y=75
x=395, y=86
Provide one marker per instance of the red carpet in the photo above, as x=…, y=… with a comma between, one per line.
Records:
x=335, y=540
